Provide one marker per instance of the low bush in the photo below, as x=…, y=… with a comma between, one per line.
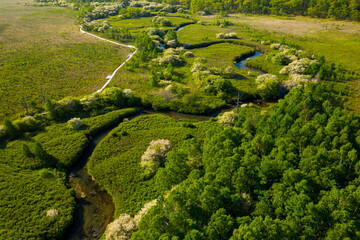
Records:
x=75, y=123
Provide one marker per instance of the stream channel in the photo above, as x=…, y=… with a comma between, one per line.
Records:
x=242, y=65
x=95, y=207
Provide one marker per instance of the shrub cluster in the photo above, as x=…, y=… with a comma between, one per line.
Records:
x=162, y=21
x=133, y=12
x=90, y=12
x=232, y=35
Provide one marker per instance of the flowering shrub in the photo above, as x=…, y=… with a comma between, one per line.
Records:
x=175, y=60
x=124, y=226
x=296, y=80
x=155, y=31
x=171, y=43
x=164, y=83
x=52, y=213
x=155, y=155
x=226, y=35
x=200, y=13
x=297, y=67
x=75, y=123
x=228, y=119
x=275, y=46
x=128, y=93
x=103, y=10
x=121, y=228
x=163, y=21
x=143, y=211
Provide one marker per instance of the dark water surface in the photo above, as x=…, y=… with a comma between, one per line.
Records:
x=94, y=207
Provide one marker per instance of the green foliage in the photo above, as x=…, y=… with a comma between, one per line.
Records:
x=348, y=9
x=26, y=150
x=26, y=198
x=288, y=173
x=38, y=203
x=268, y=86
x=147, y=48
x=133, y=12
x=124, y=182
x=9, y=129
x=281, y=59
x=40, y=152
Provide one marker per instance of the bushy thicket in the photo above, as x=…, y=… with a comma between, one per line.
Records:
x=290, y=173
x=38, y=202
x=345, y=9
x=109, y=99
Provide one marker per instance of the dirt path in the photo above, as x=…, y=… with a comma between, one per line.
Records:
x=130, y=55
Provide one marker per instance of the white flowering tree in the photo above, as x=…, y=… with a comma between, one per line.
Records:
x=124, y=226
x=228, y=119
x=121, y=228
x=155, y=155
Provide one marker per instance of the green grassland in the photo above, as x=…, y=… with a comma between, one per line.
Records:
x=115, y=163
x=31, y=185
x=137, y=25
x=222, y=55
x=41, y=47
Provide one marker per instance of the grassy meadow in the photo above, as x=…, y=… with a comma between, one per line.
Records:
x=42, y=48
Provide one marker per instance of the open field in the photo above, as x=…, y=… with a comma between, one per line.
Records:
x=42, y=48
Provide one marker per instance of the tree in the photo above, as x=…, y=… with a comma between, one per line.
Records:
x=220, y=225
x=268, y=86
x=10, y=129
x=50, y=108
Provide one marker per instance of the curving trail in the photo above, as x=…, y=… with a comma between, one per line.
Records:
x=110, y=77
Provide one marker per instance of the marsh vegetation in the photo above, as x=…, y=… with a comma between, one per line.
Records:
x=283, y=164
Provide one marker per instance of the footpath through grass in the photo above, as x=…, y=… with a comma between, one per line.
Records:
x=43, y=48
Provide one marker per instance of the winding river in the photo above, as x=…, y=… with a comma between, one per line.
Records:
x=242, y=63
x=95, y=207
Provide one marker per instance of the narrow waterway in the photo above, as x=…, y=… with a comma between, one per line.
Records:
x=242, y=63
x=94, y=207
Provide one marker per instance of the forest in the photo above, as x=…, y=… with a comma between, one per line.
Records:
x=220, y=126
x=337, y=9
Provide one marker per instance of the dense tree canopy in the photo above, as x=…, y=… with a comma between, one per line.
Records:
x=338, y=9
x=288, y=174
